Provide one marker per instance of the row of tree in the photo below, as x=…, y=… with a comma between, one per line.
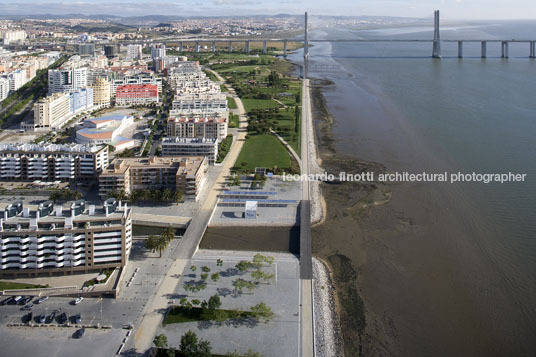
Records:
x=166, y=195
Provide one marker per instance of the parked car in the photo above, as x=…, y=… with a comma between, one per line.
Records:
x=41, y=300
x=78, y=300
x=16, y=299
x=50, y=318
x=29, y=317
x=25, y=300
x=27, y=307
x=42, y=318
x=78, y=318
x=80, y=333
x=6, y=301
x=62, y=318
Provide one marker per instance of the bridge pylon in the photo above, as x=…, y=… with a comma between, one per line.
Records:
x=436, y=52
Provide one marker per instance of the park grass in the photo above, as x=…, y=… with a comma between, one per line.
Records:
x=263, y=151
x=6, y=285
x=231, y=103
x=180, y=314
x=211, y=76
x=234, y=120
x=223, y=88
x=250, y=104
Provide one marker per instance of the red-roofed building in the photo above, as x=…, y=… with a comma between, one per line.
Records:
x=136, y=94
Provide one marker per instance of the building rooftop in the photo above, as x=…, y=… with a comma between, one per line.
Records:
x=197, y=119
x=43, y=147
x=188, y=165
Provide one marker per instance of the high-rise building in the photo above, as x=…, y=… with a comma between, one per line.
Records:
x=86, y=49
x=17, y=79
x=175, y=146
x=111, y=51
x=9, y=36
x=158, y=51
x=134, y=52
x=80, y=100
x=52, y=111
x=51, y=162
x=101, y=92
x=48, y=237
x=66, y=79
x=4, y=88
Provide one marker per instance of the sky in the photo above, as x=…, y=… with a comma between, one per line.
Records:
x=450, y=9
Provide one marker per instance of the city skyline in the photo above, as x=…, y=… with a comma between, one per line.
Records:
x=451, y=9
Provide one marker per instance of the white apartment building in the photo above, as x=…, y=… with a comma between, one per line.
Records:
x=48, y=237
x=51, y=162
x=9, y=36
x=175, y=146
x=158, y=51
x=4, y=88
x=200, y=101
x=67, y=79
x=200, y=127
x=134, y=51
x=17, y=79
x=52, y=111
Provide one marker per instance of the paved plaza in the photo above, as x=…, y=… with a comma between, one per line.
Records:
x=278, y=337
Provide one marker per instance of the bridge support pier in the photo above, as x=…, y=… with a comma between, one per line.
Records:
x=213, y=46
x=285, y=48
x=230, y=46
x=484, y=49
x=196, y=46
x=504, y=49
x=264, y=47
x=247, y=46
x=460, y=49
x=180, y=46
x=436, y=52
x=532, y=49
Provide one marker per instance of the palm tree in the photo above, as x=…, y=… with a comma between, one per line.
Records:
x=168, y=234
x=167, y=194
x=161, y=244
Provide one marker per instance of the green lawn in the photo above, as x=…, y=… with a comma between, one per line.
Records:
x=263, y=151
x=223, y=88
x=233, y=120
x=211, y=76
x=250, y=104
x=231, y=103
x=5, y=285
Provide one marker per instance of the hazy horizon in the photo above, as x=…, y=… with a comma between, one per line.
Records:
x=450, y=9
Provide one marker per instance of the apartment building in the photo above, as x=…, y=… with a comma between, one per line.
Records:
x=52, y=111
x=17, y=79
x=136, y=94
x=72, y=237
x=101, y=92
x=197, y=127
x=67, y=79
x=183, y=174
x=134, y=52
x=4, y=88
x=200, y=101
x=9, y=36
x=158, y=51
x=51, y=162
x=175, y=146
x=81, y=100
x=138, y=78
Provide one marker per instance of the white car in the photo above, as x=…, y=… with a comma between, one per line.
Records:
x=41, y=300
x=78, y=300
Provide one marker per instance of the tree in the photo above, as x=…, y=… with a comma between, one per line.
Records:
x=204, y=276
x=196, y=302
x=219, y=262
x=151, y=243
x=190, y=346
x=206, y=269
x=215, y=277
x=167, y=195
x=220, y=315
x=183, y=301
x=161, y=244
x=214, y=302
x=168, y=234
x=177, y=197
x=261, y=310
x=259, y=274
x=160, y=341
x=193, y=268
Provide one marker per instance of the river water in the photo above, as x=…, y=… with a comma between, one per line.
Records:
x=461, y=278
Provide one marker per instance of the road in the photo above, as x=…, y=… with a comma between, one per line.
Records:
x=189, y=244
x=306, y=263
